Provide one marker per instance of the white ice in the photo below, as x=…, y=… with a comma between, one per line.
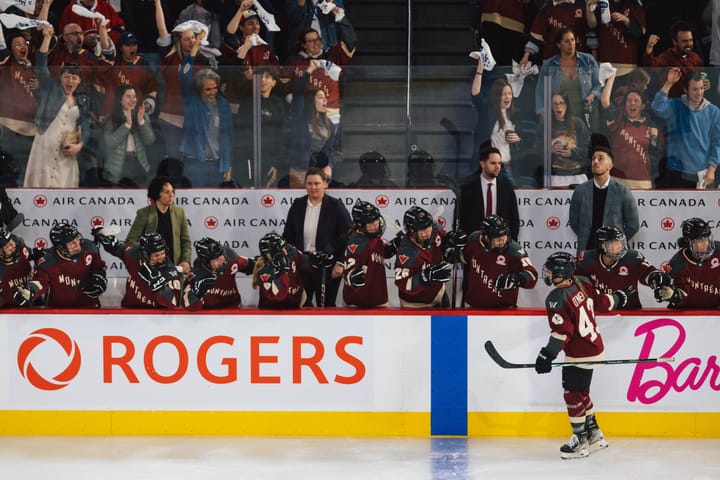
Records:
x=264, y=458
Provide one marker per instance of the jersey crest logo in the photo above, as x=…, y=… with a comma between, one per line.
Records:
x=581, y=256
x=553, y=304
x=265, y=277
x=715, y=262
x=352, y=247
x=403, y=258
x=623, y=271
x=501, y=260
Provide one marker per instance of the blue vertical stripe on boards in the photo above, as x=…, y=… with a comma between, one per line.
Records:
x=448, y=375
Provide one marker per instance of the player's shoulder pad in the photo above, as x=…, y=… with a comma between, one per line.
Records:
x=48, y=260
x=474, y=237
x=633, y=257
x=356, y=244
x=556, y=299
x=586, y=257
x=515, y=249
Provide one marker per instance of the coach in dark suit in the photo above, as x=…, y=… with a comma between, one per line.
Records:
x=473, y=203
x=330, y=220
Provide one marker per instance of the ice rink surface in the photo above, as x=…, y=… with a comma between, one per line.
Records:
x=323, y=458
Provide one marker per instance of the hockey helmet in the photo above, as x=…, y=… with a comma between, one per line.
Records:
x=209, y=249
x=494, y=226
x=5, y=238
x=558, y=266
x=272, y=248
x=62, y=234
x=364, y=213
x=151, y=243
x=694, y=229
x=606, y=236
x=415, y=220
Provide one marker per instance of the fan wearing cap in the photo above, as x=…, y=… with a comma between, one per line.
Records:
x=496, y=266
x=693, y=269
x=339, y=52
x=70, y=274
x=130, y=68
x=153, y=281
x=211, y=283
x=115, y=23
x=611, y=265
x=243, y=37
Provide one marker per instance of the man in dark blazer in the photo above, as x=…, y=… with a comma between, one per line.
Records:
x=332, y=225
x=472, y=208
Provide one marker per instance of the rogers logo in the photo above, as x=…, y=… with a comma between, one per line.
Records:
x=28, y=371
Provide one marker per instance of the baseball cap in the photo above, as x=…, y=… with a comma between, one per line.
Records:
x=247, y=15
x=128, y=38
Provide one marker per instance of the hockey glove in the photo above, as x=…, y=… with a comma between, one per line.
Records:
x=622, y=297
x=508, y=281
x=543, y=362
x=668, y=294
x=107, y=241
x=659, y=279
x=392, y=247
x=456, y=239
x=199, y=286
x=249, y=266
x=36, y=254
x=439, y=272
x=153, y=278
x=321, y=259
x=94, y=286
x=24, y=295
x=452, y=255
x=356, y=278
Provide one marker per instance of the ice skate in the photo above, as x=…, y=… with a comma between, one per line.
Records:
x=576, y=447
x=596, y=440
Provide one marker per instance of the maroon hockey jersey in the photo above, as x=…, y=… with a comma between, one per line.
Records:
x=410, y=261
x=225, y=293
x=15, y=274
x=368, y=253
x=279, y=290
x=699, y=280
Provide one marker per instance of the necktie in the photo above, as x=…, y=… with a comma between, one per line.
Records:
x=488, y=201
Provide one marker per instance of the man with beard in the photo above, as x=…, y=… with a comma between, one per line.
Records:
x=602, y=201
x=680, y=55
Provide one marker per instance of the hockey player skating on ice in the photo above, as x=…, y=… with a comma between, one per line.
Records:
x=211, y=283
x=612, y=266
x=496, y=266
x=420, y=271
x=571, y=307
x=364, y=280
x=694, y=269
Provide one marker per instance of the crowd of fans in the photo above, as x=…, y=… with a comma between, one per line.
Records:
x=99, y=97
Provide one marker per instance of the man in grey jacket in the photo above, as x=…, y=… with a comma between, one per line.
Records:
x=602, y=201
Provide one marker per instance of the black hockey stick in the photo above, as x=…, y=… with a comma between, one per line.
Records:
x=492, y=351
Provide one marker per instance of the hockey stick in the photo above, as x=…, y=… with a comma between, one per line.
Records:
x=492, y=351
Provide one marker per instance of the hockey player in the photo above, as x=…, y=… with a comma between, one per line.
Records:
x=71, y=274
x=153, y=281
x=211, y=283
x=571, y=307
x=364, y=281
x=612, y=266
x=496, y=266
x=694, y=269
x=15, y=266
x=420, y=271
x=276, y=274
